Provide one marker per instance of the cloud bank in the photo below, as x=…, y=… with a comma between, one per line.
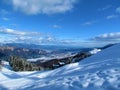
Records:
x=33, y=7
x=109, y=37
x=8, y=35
x=14, y=36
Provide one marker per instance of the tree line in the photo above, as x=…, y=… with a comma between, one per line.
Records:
x=20, y=64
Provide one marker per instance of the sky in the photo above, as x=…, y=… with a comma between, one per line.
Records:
x=60, y=22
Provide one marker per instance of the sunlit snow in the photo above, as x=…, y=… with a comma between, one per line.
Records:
x=98, y=72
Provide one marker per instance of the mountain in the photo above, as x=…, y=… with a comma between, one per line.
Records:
x=44, y=58
x=7, y=51
x=23, y=45
x=44, y=47
x=38, y=52
x=98, y=72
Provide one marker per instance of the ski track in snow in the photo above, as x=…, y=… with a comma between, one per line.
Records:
x=98, y=72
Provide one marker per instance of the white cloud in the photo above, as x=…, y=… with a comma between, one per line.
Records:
x=105, y=8
x=109, y=37
x=11, y=31
x=118, y=10
x=89, y=23
x=10, y=35
x=13, y=24
x=56, y=26
x=5, y=19
x=111, y=17
x=23, y=39
x=3, y=12
x=16, y=32
x=43, y=6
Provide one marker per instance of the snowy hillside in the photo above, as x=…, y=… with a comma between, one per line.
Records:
x=98, y=72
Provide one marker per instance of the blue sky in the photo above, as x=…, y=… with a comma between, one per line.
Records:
x=63, y=22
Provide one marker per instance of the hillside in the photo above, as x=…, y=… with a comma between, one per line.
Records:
x=98, y=72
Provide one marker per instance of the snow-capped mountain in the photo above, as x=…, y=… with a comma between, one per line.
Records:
x=98, y=72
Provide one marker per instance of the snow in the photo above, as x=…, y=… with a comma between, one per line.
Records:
x=94, y=51
x=98, y=72
x=61, y=63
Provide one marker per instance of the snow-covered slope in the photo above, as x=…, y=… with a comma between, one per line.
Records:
x=98, y=72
